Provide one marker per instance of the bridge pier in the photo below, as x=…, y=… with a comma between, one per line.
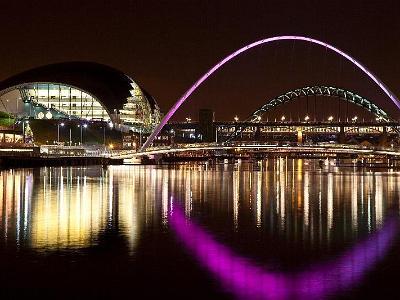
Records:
x=383, y=138
x=341, y=138
x=299, y=135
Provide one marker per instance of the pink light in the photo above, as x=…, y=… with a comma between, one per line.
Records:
x=246, y=280
x=255, y=44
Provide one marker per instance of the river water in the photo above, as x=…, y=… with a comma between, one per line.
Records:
x=282, y=228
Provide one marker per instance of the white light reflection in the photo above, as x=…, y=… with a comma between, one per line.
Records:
x=188, y=193
x=236, y=191
x=378, y=200
x=259, y=198
x=282, y=186
x=306, y=198
x=330, y=203
x=164, y=197
x=354, y=206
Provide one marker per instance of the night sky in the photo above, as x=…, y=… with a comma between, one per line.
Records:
x=167, y=45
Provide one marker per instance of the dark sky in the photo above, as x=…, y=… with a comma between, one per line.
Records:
x=167, y=45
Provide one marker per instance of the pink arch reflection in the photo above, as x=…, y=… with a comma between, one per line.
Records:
x=255, y=44
x=246, y=280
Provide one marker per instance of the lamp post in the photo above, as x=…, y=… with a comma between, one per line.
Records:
x=58, y=131
x=82, y=126
x=70, y=136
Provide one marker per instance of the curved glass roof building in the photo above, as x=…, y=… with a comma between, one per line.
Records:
x=80, y=90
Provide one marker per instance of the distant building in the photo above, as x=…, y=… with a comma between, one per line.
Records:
x=206, y=125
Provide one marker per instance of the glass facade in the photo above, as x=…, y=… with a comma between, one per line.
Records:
x=55, y=100
x=67, y=100
x=137, y=112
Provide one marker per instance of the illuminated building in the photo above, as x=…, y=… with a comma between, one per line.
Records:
x=80, y=90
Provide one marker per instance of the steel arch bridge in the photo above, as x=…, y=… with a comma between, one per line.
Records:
x=327, y=91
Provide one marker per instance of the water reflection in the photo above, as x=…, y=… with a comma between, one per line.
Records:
x=70, y=207
x=55, y=208
x=294, y=205
x=249, y=281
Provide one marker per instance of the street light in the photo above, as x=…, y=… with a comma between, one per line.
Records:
x=58, y=131
x=83, y=126
x=23, y=129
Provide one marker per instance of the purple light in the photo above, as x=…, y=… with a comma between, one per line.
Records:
x=252, y=45
x=246, y=280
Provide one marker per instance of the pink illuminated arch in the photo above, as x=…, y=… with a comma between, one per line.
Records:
x=255, y=44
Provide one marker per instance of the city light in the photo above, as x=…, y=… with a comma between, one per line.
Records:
x=283, y=118
x=85, y=125
x=306, y=118
x=236, y=118
x=62, y=124
x=111, y=146
x=188, y=119
x=354, y=118
x=330, y=119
